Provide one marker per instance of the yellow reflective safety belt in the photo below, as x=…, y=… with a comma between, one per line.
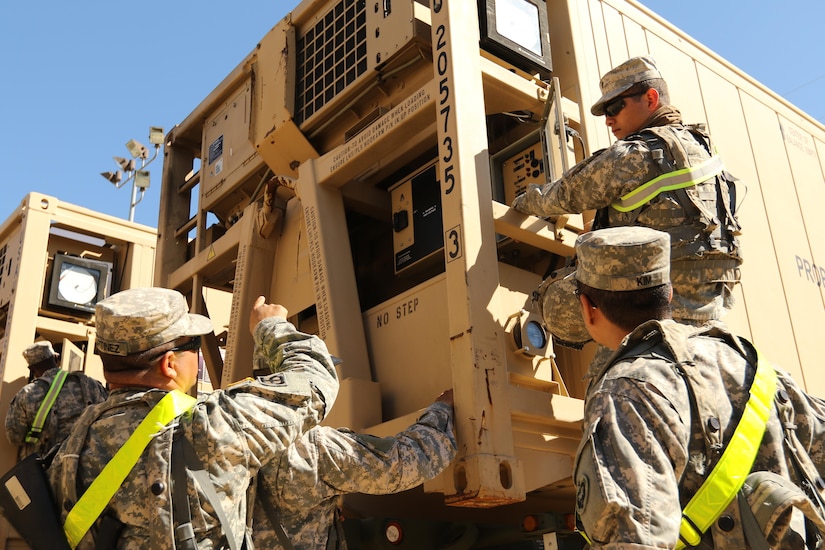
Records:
x=89, y=507
x=728, y=476
x=678, y=179
x=46, y=406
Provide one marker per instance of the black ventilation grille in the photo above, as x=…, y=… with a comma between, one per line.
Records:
x=331, y=55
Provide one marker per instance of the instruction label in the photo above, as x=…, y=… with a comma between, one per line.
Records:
x=319, y=280
x=379, y=128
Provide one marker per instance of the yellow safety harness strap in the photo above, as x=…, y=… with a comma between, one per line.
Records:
x=678, y=179
x=89, y=507
x=46, y=406
x=727, y=478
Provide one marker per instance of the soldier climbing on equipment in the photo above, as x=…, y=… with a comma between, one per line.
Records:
x=662, y=174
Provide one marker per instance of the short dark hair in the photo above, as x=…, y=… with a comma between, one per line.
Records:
x=630, y=308
x=139, y=361
x=657, y=84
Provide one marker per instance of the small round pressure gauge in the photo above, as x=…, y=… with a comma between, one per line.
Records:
x=78, y=284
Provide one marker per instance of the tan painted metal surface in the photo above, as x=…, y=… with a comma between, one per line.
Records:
x=40, y=229
x=431, y=97
x=297, y=197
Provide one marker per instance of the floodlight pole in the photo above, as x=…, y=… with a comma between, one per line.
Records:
x=135, y=200
x=136, y=150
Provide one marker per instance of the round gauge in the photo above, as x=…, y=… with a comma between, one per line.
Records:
x=394, y=533
x=535, y=334
x=78, y=284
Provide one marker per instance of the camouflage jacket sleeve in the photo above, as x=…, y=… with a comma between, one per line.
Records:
x=632, y=455
x=280, y=348
x=22, y=410
x=274, y=410
x=339, y=461
x=351, y=462
x=234, y=431
x=809, y=420
x=328, y=462
x=594, y=183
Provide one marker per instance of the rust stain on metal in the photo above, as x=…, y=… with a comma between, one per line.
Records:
x=487, y=385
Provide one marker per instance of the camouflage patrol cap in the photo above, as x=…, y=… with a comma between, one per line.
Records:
x=560, y=309
x=620, y=79
x=139, y=319
x=39, y=351
x=623, y=258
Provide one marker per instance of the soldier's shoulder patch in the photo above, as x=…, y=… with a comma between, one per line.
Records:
x=276, y=379
x=582, y=490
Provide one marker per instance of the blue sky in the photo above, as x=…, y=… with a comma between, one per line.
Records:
x=80, y=79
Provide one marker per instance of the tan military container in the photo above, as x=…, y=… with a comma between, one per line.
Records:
x=56, y=261
x=357, y=112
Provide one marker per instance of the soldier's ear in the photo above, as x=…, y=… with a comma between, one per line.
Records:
x=167, y=365
x=588, y=311
x=652, y=98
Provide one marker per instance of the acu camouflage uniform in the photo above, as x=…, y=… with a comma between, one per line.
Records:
x=306, y=483
x=644, y=454
x=78, y=392
x=234, y=432
x=705, y=255
x=661, y=409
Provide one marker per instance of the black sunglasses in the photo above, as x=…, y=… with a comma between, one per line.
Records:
x=615, y=106
x=192, y=345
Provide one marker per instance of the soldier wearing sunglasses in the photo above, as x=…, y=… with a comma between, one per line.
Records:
x=152, y=467
x=662, y=174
